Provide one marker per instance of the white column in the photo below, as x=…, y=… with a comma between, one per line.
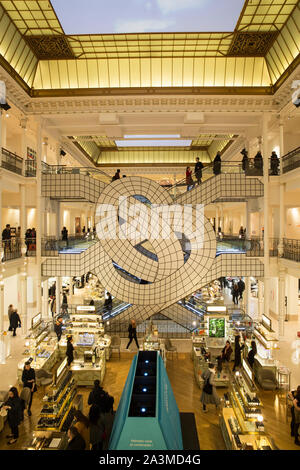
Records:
x=45, y=309
x=58, y=155
x=281, y=302
x=247, y=220
x=23, y=123
x=265, y=120
x=39, y=216
x=222, y=217
x=247, y=295
x=260, y=299
x=86, y=218
x=281, y=193
x=1, y=306
x=24, y=316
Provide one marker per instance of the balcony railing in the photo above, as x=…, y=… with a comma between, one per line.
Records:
x=256, y=248
x=11, y=249
x=86, y=171
x=291, y=249
x=291, y=160
x=76, y=243
x=11, y=161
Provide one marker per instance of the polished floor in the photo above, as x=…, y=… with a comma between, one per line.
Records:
x=187, y=394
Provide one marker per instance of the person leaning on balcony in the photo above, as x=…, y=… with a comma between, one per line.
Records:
x=64, y=235
x=274, y=164
x=217, y=164
x=258, y=161
x=6, y=238
x=245, y=160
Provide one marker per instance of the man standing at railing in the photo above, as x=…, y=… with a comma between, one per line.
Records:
x=198, y=170
x=274, y=164
x=6, y=239
x=64, y=235
x=217, y=164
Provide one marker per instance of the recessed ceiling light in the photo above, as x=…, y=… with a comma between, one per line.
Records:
x=153, y=143
x=153, y=136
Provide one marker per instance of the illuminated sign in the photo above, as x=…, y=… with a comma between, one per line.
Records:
x=86, y=308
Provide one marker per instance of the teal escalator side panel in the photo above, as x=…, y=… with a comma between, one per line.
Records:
x=168, y=413
x=141, y=434
x=122, y=411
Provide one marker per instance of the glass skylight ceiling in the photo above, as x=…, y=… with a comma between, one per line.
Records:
x=153, y=143
x=137, y=16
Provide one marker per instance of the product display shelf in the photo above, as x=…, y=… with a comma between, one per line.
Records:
x=85, y=373
x=45, y=440
x=58, y=403
x=155, y=344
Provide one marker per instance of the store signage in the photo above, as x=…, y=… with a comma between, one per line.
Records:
x=248, y=370
x=86, y=308
x=215, y=308
x=61, y=368
x=36, y=320
x=266, y=322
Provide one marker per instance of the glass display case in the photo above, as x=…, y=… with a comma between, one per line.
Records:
x=89, y=368
x=57, y=412
x=241, y=419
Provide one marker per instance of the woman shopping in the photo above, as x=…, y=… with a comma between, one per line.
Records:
x=209, y=393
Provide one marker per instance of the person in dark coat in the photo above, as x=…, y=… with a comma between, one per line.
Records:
x=188, y=179
x=258, y=161
x=96, y=395
x=235, y=293
x=64, y=236
x=97, y=428
x=274, y=164
x=15, y=322
x=76, y=441
x=13, y=406
x=116, y=175
x=217, y=164
x=241, y=287
x=64, y=305
x=132, y=334
x=198, y=170
x=27, y=239
x=70, y=350
x=108, y=302
x=237, y=352
x=6, y=238
x=251, y=354
x=225, y=355
x=28, y=379
x=292, y=395
x=245, y=160
x=58, y=328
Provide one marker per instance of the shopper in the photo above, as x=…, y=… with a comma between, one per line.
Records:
x=252, y=353
x=245, y=160
x=64, y=305
x=83, y=230
x=296, y=403
x=198, y=170
x=292, y=395
x=15, y=322
x=217, y=164
x=108, y=303
x=101, y=398
x=75, y=440
x=188, y=179
x=6, y=238
x=258, y=161
x=82, y=425
x=70, y=350
x=235, y=293
x=13, y=406
x=64, y=235
x=58, y=328
x=225, y=355
x=209, y=393
x=274, y=164
x=237, y=352
x=27, y=240
x=241, y=288
x=53, y=306
x=28, y=379
x=10, y=311
x=241, y=232
x=116, y=175
x=97, y=428
x=132, y=334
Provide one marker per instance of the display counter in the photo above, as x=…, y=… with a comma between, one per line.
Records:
x=44, y=356
x=48, y=440
x=85, y=373
x=154, y=343
x=201, y=361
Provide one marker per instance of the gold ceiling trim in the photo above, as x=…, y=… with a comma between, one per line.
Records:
x=247, y=44
x=50, y=47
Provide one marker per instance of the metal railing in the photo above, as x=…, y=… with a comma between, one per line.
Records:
x=51, y=246
x=256, y=248
x=166, y=328
x=291, y=249
x=11, y=249
x=67, y=170
x=11, y=161
x=291, y=160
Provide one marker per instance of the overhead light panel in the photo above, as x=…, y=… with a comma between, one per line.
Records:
x=153, y=143
x=155, y=136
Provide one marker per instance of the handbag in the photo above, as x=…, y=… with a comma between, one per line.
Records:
x=208, y=387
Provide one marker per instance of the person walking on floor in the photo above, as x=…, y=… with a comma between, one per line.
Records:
x=13, y=406
x=241, y=288
x=217, y=164
x=235, y=294
x=58, y=328
x=28, y=379
x=188, y=179
x=75, y=440
x=15, y=322
x=64, y=305
x=209, y=394
x=237, y=352
x=82, y=425
x=296, y=403
x=132, y=334
x=10, y=311
x=97, y=428
x=198, y=170
x=70, y=350
x=252, y=353
x=292, y=395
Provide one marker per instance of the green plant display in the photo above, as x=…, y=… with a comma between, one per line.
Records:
x=217, y=327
